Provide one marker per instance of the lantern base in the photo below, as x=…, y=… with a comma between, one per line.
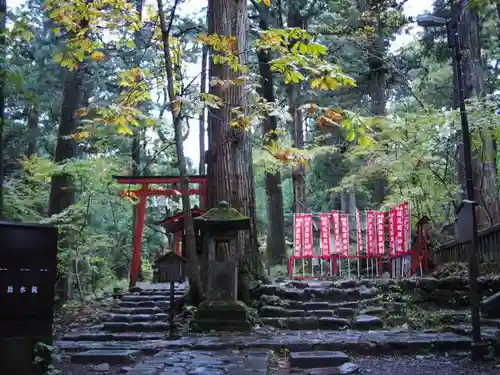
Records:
x=221, y=316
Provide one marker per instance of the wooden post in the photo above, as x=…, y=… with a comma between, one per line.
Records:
x=171, y=318
x=136, y=256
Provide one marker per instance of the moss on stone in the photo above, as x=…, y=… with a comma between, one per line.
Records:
x=223, y=213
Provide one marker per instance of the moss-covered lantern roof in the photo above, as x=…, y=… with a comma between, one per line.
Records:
x=222, y=218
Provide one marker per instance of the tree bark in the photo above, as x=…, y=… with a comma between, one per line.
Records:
x=3, y=15
x=295, y=19
x=230, y=170
x=203, y=89
x=32, y=130
x=485, y=173
x=195, y=288
x=275, y=240
x=136, y=137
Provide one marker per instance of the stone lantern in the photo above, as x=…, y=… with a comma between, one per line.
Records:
x=221, y=310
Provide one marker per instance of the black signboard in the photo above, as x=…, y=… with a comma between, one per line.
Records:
x=28, y=266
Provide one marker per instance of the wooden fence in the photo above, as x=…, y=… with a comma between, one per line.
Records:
x=488, y=248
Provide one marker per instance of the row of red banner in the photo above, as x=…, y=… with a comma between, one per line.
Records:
x=398, y=227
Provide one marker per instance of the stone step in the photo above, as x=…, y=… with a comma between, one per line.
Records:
x=111, y=336
x=487, y=332
x=307, y=323
x=373, y=342
x=276, y=312
x=133, y=318
x=109, y=356
x=161, y=304
x=136, y=310
x=139, y=298
x=267, y=300
x=145, y=346
x=135, y=327
x=367, y=322
x=321, y=294
x=318, y=359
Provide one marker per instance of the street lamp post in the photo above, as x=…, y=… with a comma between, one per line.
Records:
x=477, y=349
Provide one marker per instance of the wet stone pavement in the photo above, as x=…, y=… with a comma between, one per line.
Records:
x=188, y=362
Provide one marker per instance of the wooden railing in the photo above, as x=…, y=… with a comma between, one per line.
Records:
x=488, y=248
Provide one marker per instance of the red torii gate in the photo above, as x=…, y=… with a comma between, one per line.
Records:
x=142, y=195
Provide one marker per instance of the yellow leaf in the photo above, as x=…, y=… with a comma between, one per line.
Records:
x=58, y=57
x=82, y=112
x=176, y=107
x=97, y=56
x=81, y=135
x=267, y=3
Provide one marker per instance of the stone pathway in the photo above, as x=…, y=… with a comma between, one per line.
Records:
x=130, y=328
x=189, y=362
x=367, y=304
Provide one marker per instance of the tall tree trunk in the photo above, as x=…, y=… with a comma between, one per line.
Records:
x=485, y=173
x=62, y=189
x=275, y=241
x=295, y=19
x=230, y=170
x=377, y=85
x=32, y=130
x=3, y=61
x=201, y=127
x=136, y=137
x=195, y=288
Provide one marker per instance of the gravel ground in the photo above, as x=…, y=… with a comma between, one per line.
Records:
x=421, y=365
x=400, y=365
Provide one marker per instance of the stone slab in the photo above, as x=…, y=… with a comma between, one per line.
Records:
x=114, y=357
x=103, y=336
x=317, y=359
x=376, y=342
x=490, y=307
x=189, y=362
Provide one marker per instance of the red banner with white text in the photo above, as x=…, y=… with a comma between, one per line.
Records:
x=398, y=230
x=308, y=236
x=359, y=246
x=370, y=233
x=344, y=234
x=337, y=242
x=324, y=227
x=390, y=227
x=406, y=227
x=380, y=220
x=298, y=226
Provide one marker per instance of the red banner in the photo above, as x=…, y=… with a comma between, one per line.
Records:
x=308, y=236
x=406, y=227
x=324, y=227
x=392, y=238
x=344, y=234
x=359, y=246
x=370, y=233
x=380, y=216
x=337, y=243
x=398, y=229
x=298, y=229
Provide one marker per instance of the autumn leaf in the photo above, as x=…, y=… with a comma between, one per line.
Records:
x=267, y=3
x=81, y=135
x=97, y=56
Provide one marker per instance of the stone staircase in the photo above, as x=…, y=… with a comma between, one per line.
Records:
x=361, y=305
x=326, y=306
x=135, y=324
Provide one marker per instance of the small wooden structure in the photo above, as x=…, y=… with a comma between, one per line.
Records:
x=170, y=268
x=175, y=224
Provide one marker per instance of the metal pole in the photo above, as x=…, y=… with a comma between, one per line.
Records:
x=476, y=349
